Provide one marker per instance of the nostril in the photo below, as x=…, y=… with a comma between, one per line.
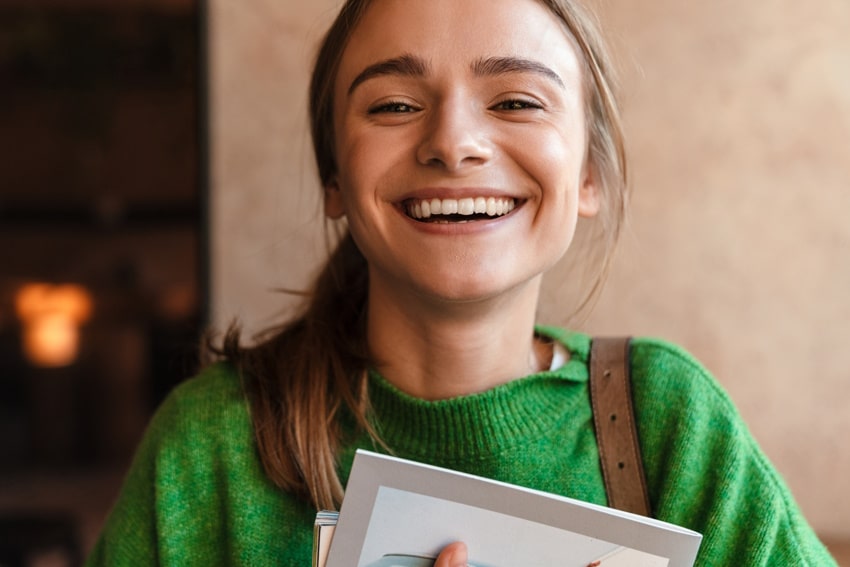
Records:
x=454, y=148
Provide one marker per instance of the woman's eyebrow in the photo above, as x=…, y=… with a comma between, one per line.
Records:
x=406, y=65
x=412, y=66
x=502, y=65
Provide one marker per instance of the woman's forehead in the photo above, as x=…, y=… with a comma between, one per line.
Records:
x=455, y=33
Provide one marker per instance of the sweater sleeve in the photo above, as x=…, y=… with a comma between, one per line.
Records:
x=129, y=534
x=706, y=472
x=196, y=493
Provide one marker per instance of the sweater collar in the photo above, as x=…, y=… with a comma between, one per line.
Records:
x=482, y=423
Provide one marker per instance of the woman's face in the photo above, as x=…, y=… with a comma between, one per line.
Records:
x=460, y=145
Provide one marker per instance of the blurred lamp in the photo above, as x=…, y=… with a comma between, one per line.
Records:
x=51, y=316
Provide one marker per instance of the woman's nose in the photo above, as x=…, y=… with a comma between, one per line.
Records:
x=455, y=138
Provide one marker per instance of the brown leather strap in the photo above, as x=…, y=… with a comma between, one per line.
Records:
x=614, y=421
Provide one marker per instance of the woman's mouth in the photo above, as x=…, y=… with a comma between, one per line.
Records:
x=458, y=210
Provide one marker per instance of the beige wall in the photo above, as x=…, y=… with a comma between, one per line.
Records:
x=738, y=118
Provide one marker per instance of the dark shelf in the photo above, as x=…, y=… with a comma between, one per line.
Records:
x=96, y=46
x=87, y=218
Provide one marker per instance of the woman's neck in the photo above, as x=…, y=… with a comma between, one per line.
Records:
x=443, y=350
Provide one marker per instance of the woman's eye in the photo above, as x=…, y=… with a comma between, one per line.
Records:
x=517, y=104
x=392, y=107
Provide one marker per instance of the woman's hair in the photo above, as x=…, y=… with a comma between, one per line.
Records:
x=307, y=378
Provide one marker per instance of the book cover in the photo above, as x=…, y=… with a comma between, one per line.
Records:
x=399, y=513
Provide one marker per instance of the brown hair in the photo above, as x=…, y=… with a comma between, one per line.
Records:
x=304, y=377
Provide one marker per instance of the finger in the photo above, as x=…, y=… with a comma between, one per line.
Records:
x=453, y=555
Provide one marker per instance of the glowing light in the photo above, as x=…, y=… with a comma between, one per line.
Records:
x=52, y=316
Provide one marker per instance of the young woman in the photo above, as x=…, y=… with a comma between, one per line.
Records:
x=460, y=141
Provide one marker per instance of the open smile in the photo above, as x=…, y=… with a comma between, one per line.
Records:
x=458, y=210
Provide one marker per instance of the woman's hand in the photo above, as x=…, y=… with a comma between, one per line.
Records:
x=453, y=555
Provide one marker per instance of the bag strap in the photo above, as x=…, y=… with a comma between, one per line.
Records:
x=614, y=422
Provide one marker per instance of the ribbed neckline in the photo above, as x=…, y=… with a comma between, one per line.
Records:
x=484, y=423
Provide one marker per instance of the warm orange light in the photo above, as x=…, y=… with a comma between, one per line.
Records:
x=51, y=316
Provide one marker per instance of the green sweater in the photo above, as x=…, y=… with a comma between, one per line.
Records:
x=196, y=493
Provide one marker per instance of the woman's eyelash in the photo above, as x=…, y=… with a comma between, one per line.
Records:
x=398, y=107
x=392, y=107
x=518, y=104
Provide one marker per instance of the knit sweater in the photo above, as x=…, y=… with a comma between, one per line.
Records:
x=196, y=493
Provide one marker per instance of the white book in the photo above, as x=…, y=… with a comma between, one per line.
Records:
x=399, y=513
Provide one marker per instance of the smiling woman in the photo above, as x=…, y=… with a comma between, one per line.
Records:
x=458, y=143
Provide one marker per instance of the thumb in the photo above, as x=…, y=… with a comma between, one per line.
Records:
x=453, y=555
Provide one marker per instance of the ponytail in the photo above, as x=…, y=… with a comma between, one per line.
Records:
x=300, y=377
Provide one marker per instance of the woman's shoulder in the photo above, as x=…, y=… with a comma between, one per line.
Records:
x=683, y=413
x=669, y=385
x=206, y=407
x=656, y=364
x=674, y=374
x=676, y=395
x=657, y=355
x=218, y=383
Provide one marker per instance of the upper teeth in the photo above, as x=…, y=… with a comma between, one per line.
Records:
x=491, y=206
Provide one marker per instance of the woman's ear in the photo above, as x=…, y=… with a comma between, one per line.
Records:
x=589, y=198
x=334, y=207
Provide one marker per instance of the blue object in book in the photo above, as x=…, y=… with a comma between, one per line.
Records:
x=405, y=560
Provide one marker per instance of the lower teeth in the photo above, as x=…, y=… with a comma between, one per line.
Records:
x=445, y=219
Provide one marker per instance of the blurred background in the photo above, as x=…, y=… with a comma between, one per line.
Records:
x=156, y=177
x=102, y=251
